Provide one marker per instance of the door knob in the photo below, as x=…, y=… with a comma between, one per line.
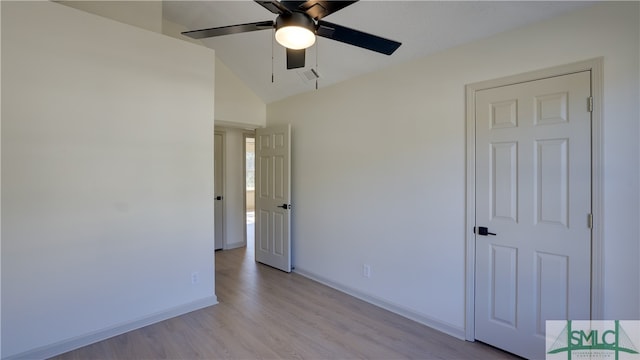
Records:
x=218, y=197
x=285, y=206
x=482, y=231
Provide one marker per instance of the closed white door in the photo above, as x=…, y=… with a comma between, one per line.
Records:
x=218, y=186
x=273, y=194
x=533, y=191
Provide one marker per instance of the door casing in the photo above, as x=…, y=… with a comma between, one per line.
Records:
x=596, y=68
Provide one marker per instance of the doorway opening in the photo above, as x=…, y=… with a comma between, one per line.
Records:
x=250, y=186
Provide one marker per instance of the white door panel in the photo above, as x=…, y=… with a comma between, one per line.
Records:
x=273, y=193
x=218, y=185
x=533, y=190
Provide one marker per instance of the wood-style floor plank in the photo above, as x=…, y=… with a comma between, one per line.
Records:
x=268, y=314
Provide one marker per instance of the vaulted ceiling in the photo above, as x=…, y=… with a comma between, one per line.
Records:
x=423, y=27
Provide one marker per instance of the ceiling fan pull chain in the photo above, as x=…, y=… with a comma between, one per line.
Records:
x=272, y=40
x=316, y=71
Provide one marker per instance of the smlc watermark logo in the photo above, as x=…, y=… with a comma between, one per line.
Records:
x=593, y=339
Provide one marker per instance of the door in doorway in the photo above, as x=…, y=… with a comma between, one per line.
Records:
x=273, y=194
x=533, y=202
x=218, y=186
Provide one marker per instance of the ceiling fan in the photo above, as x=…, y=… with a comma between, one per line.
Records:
x=297, y=25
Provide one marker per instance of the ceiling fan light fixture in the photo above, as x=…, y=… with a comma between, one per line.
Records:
x=295, y=37
x=295, y=31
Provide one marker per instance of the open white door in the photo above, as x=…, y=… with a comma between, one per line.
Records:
x=273, y=194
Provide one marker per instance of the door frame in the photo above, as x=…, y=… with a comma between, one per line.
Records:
x=596, y=68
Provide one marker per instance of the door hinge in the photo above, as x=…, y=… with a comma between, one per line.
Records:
x=590, y=221
x=590, y=104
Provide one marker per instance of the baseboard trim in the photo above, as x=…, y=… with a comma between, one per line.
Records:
x=64, y=346
x=457, y=332
x=234, y=246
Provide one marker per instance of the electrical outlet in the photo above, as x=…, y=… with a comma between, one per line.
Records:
x=195, y=277
x=366, y=270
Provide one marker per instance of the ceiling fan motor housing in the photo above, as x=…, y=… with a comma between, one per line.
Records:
x=295, y=18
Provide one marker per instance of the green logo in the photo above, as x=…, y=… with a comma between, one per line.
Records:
x=593, y=339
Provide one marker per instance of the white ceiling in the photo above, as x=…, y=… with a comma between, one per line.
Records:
x=423, y=27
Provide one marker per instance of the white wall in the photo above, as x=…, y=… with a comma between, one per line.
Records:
x=146, y=14
x=236, y=104
x=379, y=166
x=237, y=108
x=107, y=177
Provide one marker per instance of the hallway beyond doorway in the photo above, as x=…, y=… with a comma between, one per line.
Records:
x=251, y=232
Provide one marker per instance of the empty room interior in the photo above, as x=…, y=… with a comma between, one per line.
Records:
x=422, y=179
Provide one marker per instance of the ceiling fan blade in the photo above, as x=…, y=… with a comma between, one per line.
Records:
x=295, y=58
x=356, y=38
x=292, y=5
x=274, y=6
x=227, y=30
x=318, y=9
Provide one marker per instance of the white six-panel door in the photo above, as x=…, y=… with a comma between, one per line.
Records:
x=273, y=194
x=533, y=190
x=218, y=186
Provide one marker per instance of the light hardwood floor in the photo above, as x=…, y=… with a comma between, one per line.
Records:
x=267, y=314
